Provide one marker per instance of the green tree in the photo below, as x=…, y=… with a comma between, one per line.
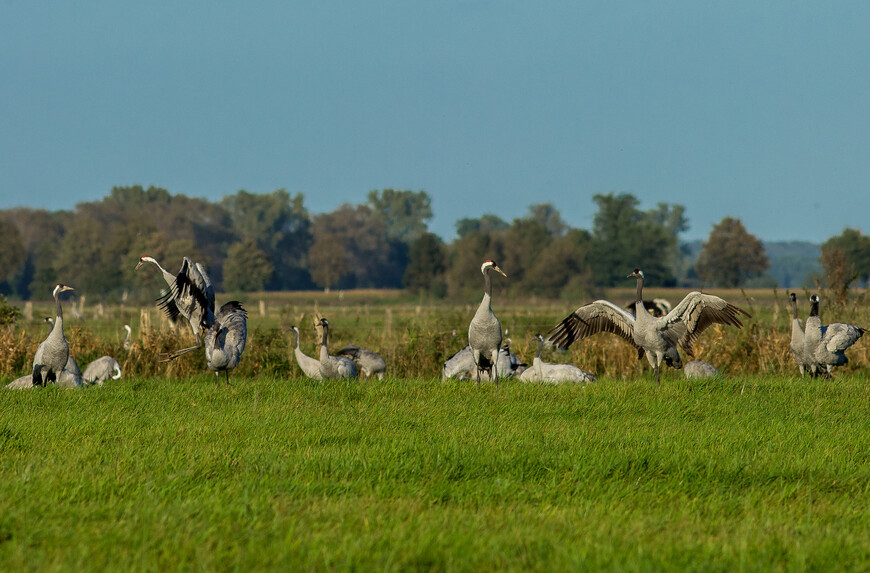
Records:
x=247, y=267
x=485, y=224
x=624, y=237
x=12, y=252
x=549, y=217
x=428, y=261
x=405, y=213
x=281, y=226
x=731, y=255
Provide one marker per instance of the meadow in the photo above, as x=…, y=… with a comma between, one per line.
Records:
x=161, y=470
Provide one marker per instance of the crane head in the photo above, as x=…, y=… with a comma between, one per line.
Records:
x=61, y=288
x=636, y=273
x=815, y=299
x=142, y=260
x=793, y=297
x=490, y=264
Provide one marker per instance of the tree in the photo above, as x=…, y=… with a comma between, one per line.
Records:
x=247, y=267
x=731, y=255
x=549, y=217
x=281, y=227
x=428, y=261
x=562, y=268
x=625, y=238
x=328, y=260
x=855, y=247
x=405, y=213
x=12, y=253
x=485, y=224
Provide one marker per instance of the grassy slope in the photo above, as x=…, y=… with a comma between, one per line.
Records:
x=745, y=473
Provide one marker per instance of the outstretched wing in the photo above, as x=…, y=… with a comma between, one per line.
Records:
x=696, y=313
x=595, y=317
x=207, y=287
x=840, y=336
x=189, y=292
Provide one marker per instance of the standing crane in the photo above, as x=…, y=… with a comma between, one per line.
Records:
x=826, y=345
x=309, y=366
x=333, y=367
x=657, y=337
x=798, y=345
x=53, y=353
x=484, y=332
x=190, y=295
x=225, y=339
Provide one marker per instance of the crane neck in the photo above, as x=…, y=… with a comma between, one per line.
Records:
x=540, y=348
x=814, y=308
x=487, y=284
x=324, y=348
x=794, y=312
x=58, y=310
x=639, y=293
x=296, y=334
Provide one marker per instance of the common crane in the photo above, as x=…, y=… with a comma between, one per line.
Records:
x=190, y=295
x=225, y=338
x=52, y=354
x=697, y=369
x=368, y=362
x=127, y=343
x=333, y=367
x=309, y=366
x=484, y=332
x=657, y=337
x=461, y=365
x=552, y=373
x=826, y=345
x=798, y=345
x=102, y=369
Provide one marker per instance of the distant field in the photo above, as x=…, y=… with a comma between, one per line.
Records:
x=744, y=473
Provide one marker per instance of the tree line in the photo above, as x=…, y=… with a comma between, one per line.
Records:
x=270, y=241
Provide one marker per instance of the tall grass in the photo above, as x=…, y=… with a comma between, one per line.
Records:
x=416, y=336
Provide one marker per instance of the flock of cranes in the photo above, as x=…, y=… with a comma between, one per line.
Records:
x=656, y=330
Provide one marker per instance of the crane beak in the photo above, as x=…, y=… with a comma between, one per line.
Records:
x=139, y=264
x=66, y=288
x=499, y=271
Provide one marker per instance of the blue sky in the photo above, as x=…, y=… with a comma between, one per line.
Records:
x=757, y=110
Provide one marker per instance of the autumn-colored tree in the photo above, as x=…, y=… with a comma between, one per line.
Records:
x=327, y=260
x=855, y=248
x=731, y=255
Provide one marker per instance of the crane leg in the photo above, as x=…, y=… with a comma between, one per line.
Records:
x=170, y=356
x=658, y=370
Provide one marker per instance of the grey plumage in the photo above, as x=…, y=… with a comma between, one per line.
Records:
x=102, y=369
x=826, y=345
x=658, y=338
x=333, y=367
x=553, y=373
x=461, y=365
x=798, y=345
x=368, y=362
x=309, y=366
x=484, y=331
x=225, y=339
x=696, y=369
x=190, y=295
x=52, y=354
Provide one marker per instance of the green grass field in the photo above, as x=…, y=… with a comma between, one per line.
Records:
x=741, y=473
